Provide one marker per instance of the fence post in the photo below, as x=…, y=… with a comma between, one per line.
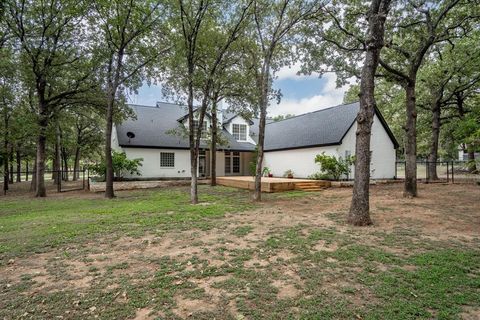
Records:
x=83, y=178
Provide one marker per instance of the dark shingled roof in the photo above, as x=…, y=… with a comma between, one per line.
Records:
x=319, y=128
x=153, y=126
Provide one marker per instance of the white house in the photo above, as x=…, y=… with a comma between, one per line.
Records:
x=158, y=136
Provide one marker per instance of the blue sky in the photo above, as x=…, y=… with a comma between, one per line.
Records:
x=300, y=94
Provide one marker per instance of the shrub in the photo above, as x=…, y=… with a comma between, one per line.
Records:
x=332, y=167
x=121, y=165
x=319, y=176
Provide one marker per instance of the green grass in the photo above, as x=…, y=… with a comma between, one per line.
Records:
x=36, y=225
x=340, y=272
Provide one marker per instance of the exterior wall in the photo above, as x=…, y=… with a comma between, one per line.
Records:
x=383, y=152
x=300, y=161
x=240, y=120
x=151, y=163
x=115, y=145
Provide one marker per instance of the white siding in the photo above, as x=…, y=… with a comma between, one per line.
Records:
x=300, y=161
x=115, y=145
x=151, y=163
x=383, y=152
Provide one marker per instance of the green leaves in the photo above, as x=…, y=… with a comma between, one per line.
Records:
x=334, y=167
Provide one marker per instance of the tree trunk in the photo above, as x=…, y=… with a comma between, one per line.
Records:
x=265, y=88
x=359, y=214
x=472, y=167
x=433, y=155
x=57, y=157
x=40, y=189
x=213, y=147
x=5, y=157
x=11, y=164
x=109, y=193
x=26, y=170
x=65, y=166
x=410, y=187
x=33, y=184
x=76, y=164
x=19, y=166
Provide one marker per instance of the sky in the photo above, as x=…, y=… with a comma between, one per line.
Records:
x=300, y=93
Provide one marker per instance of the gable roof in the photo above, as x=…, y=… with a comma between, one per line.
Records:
x=324, y=127
x=153, y=128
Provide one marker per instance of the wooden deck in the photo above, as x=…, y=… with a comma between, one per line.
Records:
x=274, y=184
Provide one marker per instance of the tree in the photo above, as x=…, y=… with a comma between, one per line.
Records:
x=200, y=49
x=281, y=117
x=121, y=165
x=128, y=43
x=359, y=213
x=451, y=72
x=55, y=66
x=414, y=28
x=276, y=32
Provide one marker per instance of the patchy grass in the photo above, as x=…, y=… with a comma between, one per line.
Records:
x=152, y=254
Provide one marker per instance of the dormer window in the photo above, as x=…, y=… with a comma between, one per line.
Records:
x=204, y=127
x=240, y=132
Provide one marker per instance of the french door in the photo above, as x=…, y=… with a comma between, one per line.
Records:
x=232, y=163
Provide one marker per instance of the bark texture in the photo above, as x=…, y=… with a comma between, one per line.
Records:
x=410, y=187
x=19, y=165
x=5, y=156
x=359, y=213
x=213, y=146
x=433, y=155
x=109, y=193
x=41, y=149
x=265, y=87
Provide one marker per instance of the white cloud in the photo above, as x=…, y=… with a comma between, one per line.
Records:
x=329, y=96
x=291, y=72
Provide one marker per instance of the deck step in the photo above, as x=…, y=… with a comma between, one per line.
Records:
x=308, y=186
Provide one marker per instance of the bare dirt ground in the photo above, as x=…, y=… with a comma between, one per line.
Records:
x=218, y=272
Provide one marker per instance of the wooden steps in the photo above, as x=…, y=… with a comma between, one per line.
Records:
x=309, y=186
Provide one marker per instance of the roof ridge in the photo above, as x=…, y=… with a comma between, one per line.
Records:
x=315, y=111
x=139, y=105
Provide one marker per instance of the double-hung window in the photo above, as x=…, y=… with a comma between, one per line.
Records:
x=240, y=132
x=167, y=159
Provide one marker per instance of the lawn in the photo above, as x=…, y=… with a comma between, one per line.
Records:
x=150, y=254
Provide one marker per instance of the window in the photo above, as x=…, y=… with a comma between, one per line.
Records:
x=167, y=159
x=240, y=132
x=204, y=127
x=236, y=162
x=227, y=162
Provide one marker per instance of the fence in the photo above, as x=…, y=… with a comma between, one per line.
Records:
x=440, y=171
x=55, y=180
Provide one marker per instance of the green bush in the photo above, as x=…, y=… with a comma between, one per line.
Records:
x=121, y=165
x=319, y=176
x=331, y=167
